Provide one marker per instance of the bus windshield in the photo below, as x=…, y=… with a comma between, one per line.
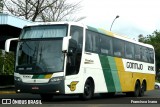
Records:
x=44, y=31
x=40, y=49
x=40, y=56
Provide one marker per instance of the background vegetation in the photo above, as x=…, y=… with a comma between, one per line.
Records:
x=6, y=63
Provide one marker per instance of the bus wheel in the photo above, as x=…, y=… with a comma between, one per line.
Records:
x=46, y=97
x=88, y=90
x=142, y=89
x=136, y=89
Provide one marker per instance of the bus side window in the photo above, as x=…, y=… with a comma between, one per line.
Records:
x=150, y=55
x=106, y=45
x=118, y=47
x=129, y=50
x=96, y=42
x=88, y=43
x=144, y=54
x=137, y=52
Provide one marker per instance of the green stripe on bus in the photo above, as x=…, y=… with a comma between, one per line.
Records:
x=114, y=74
x=35, y=76
x=41, y=76
x=38, y=77
x=107, y=73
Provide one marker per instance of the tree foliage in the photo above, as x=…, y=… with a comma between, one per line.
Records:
x=43, y=10
x=154, y=40
x=6, y=63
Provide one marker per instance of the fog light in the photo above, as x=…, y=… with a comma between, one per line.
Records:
x=57, y=91
x=19, y=91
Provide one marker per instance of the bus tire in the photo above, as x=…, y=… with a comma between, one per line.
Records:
x=46, y=97
x=88, y=90
x=142, y=89
x=136, y=89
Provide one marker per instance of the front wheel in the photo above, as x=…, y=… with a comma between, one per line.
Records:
x=88, y=90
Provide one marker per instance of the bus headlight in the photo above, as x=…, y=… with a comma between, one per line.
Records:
x=56, y=79
x=17, y=79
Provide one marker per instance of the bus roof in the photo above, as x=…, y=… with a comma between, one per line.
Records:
x=98, y=30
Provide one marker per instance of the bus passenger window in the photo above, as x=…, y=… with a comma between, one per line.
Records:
x=150, y=56
x=129, y=50
x=118, y=48
x=137, y=52
x=144, y=54
x=88, y=44
x=106, y=45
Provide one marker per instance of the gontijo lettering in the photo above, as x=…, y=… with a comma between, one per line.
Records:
x=134, y=65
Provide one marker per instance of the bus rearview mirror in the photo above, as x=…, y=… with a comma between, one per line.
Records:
x=7, y=43
x=65, y=44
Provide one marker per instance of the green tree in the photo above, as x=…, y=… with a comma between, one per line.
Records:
x=6, y=63
x=1, y=62
x=9, y=62
x=154, y=40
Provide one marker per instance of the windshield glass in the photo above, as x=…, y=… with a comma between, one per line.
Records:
x=40, y=56
x=44, y=31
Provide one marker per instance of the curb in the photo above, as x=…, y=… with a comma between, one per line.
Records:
x=7, y=92
x=7, y=86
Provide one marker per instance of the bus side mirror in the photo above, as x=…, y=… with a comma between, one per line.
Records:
x=65, y=44
x=7, y=43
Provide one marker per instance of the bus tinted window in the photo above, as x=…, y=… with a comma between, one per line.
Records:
x=118, y=47
x=150, y=55
x=77, y=34
x=137, y=52
x=92, y=42
x=129, y=50
x=144, y=52
x=106, y=45
x=88, y=41
x=96, y=42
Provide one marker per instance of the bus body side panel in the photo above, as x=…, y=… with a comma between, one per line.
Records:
x=110, y=72
x=92, y=68
x=74, y=83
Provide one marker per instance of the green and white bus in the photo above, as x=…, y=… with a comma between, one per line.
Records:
x=72, y=58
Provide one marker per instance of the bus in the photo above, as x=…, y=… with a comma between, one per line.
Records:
x=72, y=58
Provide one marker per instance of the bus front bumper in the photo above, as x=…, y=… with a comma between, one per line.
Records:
x=40, y=88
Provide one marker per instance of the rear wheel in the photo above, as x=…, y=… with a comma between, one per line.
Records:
x=88, y=90
x=136, y=89
x=142, y=89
